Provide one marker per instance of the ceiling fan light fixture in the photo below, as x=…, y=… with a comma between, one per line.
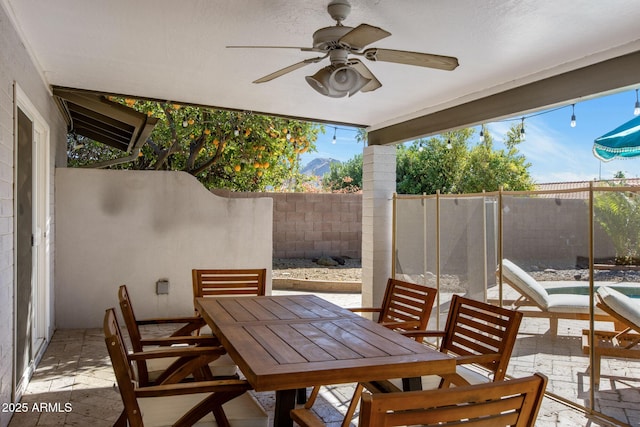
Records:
x=337, y=81
x=320, y=81
x=346, y=79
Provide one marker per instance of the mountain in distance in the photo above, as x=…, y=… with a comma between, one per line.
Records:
x=319, y=166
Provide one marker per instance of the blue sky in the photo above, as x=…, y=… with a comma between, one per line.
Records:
x=557, y=152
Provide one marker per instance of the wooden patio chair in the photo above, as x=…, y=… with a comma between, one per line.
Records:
x=405, y=307
x=478, y=334
x=150, y=370
x=228, y=282
x=505, y=403
x=623, y=343
x=208, y=403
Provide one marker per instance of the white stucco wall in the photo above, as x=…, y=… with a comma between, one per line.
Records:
x=135, y=227
x=16, y=66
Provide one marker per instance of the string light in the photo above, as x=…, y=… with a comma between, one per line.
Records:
x=636, y=110
x=288, y=135
x=236, y=132
x=335, y=129
x=449, y=146
x=523, y=136
x=573, y=115
x=482, y=132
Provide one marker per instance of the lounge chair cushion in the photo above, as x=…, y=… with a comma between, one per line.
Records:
x=526, y=284
x=569, y=303
x=243, y=411
x=621, y=304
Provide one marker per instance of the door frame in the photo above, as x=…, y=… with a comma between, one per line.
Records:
x=42, y=328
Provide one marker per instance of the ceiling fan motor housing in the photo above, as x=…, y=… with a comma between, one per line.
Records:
x=328, y=38
x=339, y=10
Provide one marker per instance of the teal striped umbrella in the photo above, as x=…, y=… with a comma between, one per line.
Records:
x=622, y=142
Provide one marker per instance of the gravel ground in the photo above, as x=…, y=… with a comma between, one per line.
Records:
x=299, y=268
x=351, y=271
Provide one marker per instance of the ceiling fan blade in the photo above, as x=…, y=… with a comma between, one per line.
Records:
x=304, y=49
x=363, y=35
x=365, y=72
x=289, y=69
x=412, y=58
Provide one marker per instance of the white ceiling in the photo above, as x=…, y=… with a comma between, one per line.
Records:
x=175, y=50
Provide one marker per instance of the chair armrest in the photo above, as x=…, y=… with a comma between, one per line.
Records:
x=176, y=352
x=404, y=325
x=169, y=320
x=195, y=387
x=187, y=339
x=480, y=358
x=424, y=334
x=365, y=310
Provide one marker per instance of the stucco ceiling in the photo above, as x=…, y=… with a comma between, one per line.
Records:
x=176, y=50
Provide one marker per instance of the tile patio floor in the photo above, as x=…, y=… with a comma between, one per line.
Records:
x=75, y=369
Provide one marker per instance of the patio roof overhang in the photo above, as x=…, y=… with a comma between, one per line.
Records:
x=95, y=116
x=514, y=57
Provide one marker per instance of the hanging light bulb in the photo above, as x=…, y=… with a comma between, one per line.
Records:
x=573, y=115
x=449, y=146
x=236, y=132
x=288, y=136
x=185, y=123
x=333, y=141
x=522, y=134
x=482, y=132
x=636, y=110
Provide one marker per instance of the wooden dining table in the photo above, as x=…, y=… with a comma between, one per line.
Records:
x=286, y=343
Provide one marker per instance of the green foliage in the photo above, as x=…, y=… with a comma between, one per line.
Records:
x=618, y=213
x=223, y=149
x=446, y=163
x=433, y=164
x=344, y=177
x=488, y=169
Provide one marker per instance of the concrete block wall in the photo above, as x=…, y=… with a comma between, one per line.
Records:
x=552, y=232
x=312, y=225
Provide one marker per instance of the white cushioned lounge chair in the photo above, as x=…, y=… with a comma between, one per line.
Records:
x=551, y=306
x=621, y=343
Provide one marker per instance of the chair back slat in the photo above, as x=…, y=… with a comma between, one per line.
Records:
x=129, y=318
x=477, y=328
x=505, y=403
x=228, y=282
x=123, y=370
x=134, y=332
x=407, y=302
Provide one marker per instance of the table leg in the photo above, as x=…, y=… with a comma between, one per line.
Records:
x=412, y=384
x=285, y=402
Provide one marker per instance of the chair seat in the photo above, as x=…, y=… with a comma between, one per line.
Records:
x=243, y=411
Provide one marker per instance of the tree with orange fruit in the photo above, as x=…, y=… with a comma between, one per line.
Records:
x=238, y=151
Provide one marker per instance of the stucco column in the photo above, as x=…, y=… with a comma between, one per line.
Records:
x=378, y=186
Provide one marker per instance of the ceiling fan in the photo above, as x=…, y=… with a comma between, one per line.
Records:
x=345, y=75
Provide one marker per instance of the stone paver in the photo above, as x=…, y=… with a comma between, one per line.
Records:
x=76, y=371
